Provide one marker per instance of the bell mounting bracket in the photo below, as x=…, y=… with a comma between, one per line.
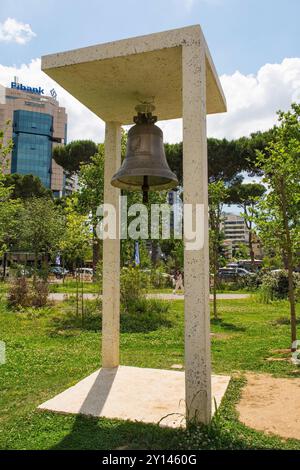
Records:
x=144, y=114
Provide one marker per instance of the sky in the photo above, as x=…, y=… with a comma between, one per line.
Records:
x=255, y=45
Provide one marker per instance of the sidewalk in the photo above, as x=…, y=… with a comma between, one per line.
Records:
x=60, y=296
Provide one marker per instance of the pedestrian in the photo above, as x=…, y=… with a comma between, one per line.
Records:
x=178, y=282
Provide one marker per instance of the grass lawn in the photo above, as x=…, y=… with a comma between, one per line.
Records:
x=70, y=287
x=49, y=350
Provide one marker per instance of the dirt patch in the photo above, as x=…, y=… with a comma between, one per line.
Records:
x=271, y=405
x=220, y=335
x=281, y=351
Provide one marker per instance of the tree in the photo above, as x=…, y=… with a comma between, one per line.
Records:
x=90, y=196
x=277, y=214
x=8, y=208
x=26, y=186
x=227, y=159
x=42, y=228
x=75, y=240
x=246, y=196
x=72, y=155
x=217, y=196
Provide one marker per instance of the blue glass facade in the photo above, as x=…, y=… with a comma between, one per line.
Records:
x=32, y=151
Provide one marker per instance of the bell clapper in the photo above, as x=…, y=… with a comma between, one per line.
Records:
x=145, y=189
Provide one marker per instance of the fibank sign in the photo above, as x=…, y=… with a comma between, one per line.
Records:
x=21, y=87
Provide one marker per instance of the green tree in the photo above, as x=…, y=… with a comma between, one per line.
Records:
x=246, y=196
x=277, y=215
x=227, y=159
x=41, y=229
x=8, y=208
x=217, y=196
x=26, y=186
x=90, y=196
x=74, y=244
x=72, y=155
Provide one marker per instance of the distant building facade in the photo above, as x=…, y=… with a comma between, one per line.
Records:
x=236, y=233
x=37, y=124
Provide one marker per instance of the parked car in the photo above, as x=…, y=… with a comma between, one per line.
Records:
x=58, y=271
x=232, y=273
x=84, y=271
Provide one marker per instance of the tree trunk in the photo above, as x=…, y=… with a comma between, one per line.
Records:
x=96, y=254
x=4, y=265
x=250, y=244
x=215, y=272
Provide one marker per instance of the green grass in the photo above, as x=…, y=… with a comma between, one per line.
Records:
x=70, y=287
x=48, y=350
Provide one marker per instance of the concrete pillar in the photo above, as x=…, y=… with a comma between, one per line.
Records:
x=111, y=253
x=196, y=262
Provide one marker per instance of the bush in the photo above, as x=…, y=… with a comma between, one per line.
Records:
x=275, y=286
x=24, y=293
x=250, y=283
x=159, y=279
x=40, y=293
x=145, y=315
x=134, y=284
x=19, y=293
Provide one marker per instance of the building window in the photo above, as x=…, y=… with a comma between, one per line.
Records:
x=32, y=151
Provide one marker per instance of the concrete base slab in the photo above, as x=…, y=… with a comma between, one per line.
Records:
x=132, y=393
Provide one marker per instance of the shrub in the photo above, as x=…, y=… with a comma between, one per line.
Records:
x=24, y=293
x=40, y=293
x=275, y=286
x=19, y=293
x=134, y=285
x=250, y=283
x=159, y=279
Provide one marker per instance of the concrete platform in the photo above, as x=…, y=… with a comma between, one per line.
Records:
x=132, y=393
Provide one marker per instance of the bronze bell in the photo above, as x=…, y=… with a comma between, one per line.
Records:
x=145, y=166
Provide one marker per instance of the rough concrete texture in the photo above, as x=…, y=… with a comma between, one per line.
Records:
x=196, y=254
x=111, y=253
x=132, y=393
x=110, y=78
x=271, y=405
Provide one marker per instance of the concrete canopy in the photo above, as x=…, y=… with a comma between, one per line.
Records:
x=111, y=79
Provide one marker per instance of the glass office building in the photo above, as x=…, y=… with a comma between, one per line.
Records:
x=32, y=151
x=37, y=124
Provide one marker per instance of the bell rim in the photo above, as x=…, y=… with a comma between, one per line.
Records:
x=171, y=183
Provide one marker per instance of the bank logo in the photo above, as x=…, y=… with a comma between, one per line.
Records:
x=53, y=93
x=21, y=87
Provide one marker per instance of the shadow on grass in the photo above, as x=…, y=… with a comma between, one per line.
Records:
x=227, y=326
x=102, y=434
x=283, y=321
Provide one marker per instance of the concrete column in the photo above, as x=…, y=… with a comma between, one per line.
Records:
x=196, y=262
x=111, y=253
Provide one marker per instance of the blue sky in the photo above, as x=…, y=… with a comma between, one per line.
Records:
x=255, y=45
x=242, y=34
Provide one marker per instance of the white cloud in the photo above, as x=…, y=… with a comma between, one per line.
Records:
x=252, y=101
x=15, y=31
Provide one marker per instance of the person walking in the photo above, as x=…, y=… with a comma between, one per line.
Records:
x=178, y=282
